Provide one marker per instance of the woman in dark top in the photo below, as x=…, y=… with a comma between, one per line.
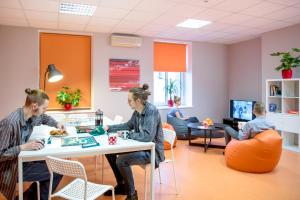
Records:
x=145, y=126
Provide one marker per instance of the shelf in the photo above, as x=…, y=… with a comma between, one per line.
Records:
x=274, y=96
x=282, y=96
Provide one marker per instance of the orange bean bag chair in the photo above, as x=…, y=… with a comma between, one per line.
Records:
x=167, y=145
x=257, y=155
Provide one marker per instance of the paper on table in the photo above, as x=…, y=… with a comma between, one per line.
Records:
x=43, y=131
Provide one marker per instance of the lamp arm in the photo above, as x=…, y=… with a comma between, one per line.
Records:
x=45, y=79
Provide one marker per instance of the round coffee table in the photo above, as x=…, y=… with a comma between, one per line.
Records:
x=208, y=131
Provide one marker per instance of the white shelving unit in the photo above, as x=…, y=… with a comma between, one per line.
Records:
x=282, y=103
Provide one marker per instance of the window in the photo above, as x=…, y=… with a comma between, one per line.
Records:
x=170, y=60
x=161, y=80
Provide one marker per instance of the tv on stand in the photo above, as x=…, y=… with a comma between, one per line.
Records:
x=240, y=110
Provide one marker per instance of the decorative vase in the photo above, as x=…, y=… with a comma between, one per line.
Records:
x=68, y=106
x=287, y=73
x=170, y=103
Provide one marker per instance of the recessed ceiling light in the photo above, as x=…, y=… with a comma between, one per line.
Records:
x=193, y=23
x=76, y=9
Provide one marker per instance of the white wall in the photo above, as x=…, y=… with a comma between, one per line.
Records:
x=244, y=70
x=20, y=63
x=19, y=66
x=279, y=40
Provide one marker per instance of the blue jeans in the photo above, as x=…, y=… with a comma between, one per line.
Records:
x=230, y=132
x=38, y=171
x=121, y=166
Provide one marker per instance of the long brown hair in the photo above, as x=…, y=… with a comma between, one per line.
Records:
x=35, y=96
x=141, y=93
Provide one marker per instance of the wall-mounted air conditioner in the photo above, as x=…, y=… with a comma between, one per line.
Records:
x=125, y=40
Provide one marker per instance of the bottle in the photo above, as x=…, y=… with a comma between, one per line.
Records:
x=101, y=118
x=97, y=117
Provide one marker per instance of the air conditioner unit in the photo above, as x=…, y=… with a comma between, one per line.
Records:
x=125, y=40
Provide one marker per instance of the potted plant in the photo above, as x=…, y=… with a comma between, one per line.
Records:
x=171, y=88
x=68, y=98
x=288, y=61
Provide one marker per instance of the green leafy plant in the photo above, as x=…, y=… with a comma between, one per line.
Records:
x=172, y=87
x=66, y=96
x=288, y=61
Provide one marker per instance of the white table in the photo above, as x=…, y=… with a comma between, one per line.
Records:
x=54, y=149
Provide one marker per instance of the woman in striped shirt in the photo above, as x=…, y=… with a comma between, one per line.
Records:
x=15, y=131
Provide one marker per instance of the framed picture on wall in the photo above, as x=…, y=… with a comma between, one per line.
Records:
x=123, y=74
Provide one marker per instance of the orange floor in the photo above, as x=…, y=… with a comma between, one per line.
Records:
x=205, y=176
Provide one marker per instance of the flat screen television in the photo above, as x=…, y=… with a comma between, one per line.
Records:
x=241, y=110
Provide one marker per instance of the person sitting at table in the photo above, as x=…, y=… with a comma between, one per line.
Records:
x=251, y=128
x=145, y=126
x=175, y=111
x=15, y=131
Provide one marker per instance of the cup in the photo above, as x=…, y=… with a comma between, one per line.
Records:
x=112, y=138
x=125, y=135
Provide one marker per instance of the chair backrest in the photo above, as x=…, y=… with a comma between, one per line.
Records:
x=118, y=119
x=169, y=136
x=66, y=167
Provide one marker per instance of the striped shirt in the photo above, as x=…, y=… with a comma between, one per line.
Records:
x=11, y=139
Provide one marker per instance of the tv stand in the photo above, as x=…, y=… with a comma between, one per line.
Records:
x=231, y=122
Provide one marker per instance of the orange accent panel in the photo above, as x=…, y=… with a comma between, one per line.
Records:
x=169, y=57
x=258, y=155
x=71, y=55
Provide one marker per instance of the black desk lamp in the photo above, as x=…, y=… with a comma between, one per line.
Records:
x=53, y=76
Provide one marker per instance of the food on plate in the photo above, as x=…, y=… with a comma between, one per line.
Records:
x=58, y=132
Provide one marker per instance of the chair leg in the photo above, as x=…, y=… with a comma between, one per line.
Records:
x=173, y=164
x=102, y=169
x=145, y=184
x=159, y=175
x=113, y=193
x=38, y=190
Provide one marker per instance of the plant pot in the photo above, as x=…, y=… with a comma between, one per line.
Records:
x=68, y=106
x=170, y=103
x=287, y=73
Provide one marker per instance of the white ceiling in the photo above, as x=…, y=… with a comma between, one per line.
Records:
x=233, y=20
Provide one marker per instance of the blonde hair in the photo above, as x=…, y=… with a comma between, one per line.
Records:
x=176, y=99
x=259, y=108
x=35, y=96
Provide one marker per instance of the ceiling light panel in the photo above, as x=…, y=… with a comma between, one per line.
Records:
x=193, y=23
x=77, y=9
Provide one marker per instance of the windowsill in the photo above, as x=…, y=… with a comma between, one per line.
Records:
x=167, y=107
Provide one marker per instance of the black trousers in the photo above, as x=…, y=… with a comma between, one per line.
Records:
x=38, y=171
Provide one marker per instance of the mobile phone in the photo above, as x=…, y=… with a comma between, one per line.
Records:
x=90, y=145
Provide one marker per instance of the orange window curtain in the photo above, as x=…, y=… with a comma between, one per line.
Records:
x=169, y=57
x=71, y=55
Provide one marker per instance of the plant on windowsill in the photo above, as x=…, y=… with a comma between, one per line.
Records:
x=288, y=61
x=68, y=98
x=172, y=88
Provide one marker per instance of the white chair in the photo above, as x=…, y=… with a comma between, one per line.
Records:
x=78, y=189
x=169, y=136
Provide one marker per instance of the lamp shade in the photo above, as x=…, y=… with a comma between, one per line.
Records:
x=54, y=75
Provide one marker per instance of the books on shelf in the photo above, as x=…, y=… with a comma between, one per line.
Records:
x=275, y=90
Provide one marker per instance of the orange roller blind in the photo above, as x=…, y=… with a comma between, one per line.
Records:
x=71, y=55
x=169, y=57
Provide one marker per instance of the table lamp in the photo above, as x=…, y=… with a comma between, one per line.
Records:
x=53, y=75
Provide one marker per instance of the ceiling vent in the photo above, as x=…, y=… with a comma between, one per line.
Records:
x=125, y=40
